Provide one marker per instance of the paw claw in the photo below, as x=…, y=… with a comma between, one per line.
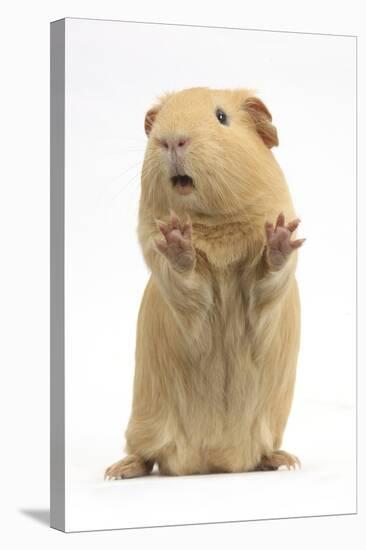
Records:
x=174, y=220
x=292, y=226
x=279, y=244
x=280, y=220
x=130, y=466
x=177, y=247
x=160, y=245
x=277, y=460
x=297, y=244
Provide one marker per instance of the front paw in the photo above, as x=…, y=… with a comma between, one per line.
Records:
x=279, y=245
x=176, y=244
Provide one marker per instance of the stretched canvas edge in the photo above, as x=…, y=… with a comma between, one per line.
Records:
x=57, y=270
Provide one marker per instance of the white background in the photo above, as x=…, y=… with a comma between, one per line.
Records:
x=25, y=318
x=114, y=71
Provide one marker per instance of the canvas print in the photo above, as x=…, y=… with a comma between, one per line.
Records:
x=202, y=275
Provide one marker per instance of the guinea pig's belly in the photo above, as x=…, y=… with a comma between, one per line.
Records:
x=211, y=419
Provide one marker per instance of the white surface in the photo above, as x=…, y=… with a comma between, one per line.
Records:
x=114, y=71
x=325, y=484
x=24, y=289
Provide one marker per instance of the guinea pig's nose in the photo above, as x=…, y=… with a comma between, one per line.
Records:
x=175, y=143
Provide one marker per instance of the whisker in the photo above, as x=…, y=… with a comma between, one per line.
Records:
x=108, y=183
x=129, y=150
x=127, y=185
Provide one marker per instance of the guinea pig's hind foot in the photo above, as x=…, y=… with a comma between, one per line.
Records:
x=130, y=466
x=277, y=459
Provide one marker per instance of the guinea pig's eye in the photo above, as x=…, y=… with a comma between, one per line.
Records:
x=221, y=116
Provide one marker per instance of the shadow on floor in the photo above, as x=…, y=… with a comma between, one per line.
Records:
x=40, y=515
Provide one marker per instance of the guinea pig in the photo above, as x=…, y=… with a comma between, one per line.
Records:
x=219, y=324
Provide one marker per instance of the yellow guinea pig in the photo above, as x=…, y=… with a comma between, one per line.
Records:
x=219, y=324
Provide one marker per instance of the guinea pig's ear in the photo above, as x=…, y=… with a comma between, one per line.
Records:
x=150, y=118
x=262, y=119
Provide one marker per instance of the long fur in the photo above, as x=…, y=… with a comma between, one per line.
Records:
x=217, y=348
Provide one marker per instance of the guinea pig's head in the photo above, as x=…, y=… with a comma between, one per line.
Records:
x=208, y=151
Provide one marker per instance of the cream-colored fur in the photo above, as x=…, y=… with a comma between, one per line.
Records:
x=219, y=324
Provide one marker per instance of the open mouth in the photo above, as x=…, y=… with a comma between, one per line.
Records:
x=183, y=184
